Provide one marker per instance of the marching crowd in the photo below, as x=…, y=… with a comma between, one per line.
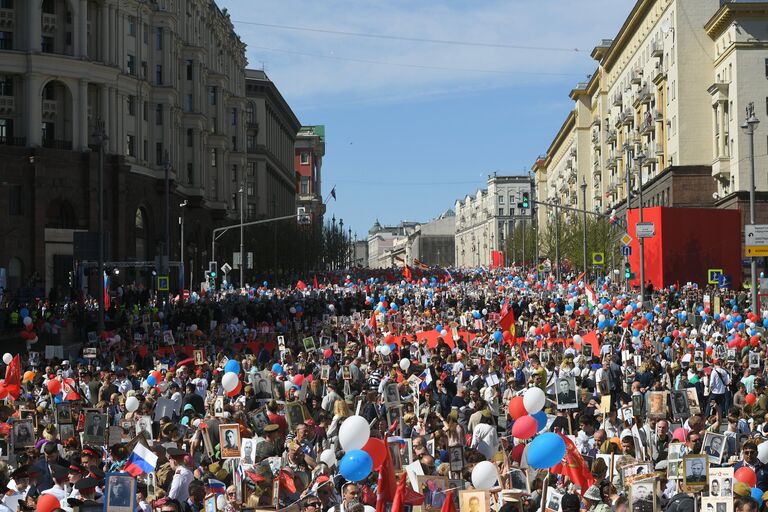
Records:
x=482, y=390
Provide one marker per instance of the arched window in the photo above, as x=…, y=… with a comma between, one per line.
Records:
x=250, y=113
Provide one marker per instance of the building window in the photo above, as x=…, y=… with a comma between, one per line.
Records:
x=6, y=85
x=501, y=212
x=159, y=38
x=6, y=130
x=6, y=40
x=251, y=211
x=145, y=149
x=234, y=143
x=145, y=35
x=159, y=114
x=190, y=68
x=159, y=74
x=250, y=113
x=189, y=103
x=304, y=185
x=131, y=105
x=131, y=26
x=131, y=65
x=212, y=95
x=304, y=158
x=144, y=69
x=234, y=116
x=145, y=110
x=251, y=189
x=214, y=157
x=130, y=145
x=250, y=141
x=6, y=4
x=159, y=157
x=251, y=171
x=190, y=173
x=46, y=45
x=214, y=124
x=190, y=137
x=501, y=199
x=14, y=200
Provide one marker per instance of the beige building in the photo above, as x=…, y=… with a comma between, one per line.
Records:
x=483, y=220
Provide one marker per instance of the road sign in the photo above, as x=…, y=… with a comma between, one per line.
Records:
x=645, y=229
x=713, y=275
x=226, y=268
x=626, y=239
x=162, y=284
x=598, y=258
x=757, y=250
x=756, y=234
x=626, y=250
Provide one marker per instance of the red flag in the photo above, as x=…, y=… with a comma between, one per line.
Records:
x=286, y=480
x=70, y=391
x=404, y=495
x=507, y=322
x=574, y=467
x=407, y=275
x=578, y=278
x=314, y=283
x=387, y=484
x=372, y=323
x=301, y=285
x=591, y=339
x=448, y=505
x=13, y=377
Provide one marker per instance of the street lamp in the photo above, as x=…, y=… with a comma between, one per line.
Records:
x=100, y=138
x=182, y=205
x=749, y=126
x=628, y=156
x=584, y=223
x=640, y=158
x=242, y=245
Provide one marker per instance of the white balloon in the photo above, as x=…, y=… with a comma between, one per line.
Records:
x=292, y=310
x=117, y=338
x=485, y=311
x=405, y=364
x=385, y=350
x=328, y=457
x=601, y=317
x=27, y=320
x=534, y=400
x=7, y=358
x=578, y=339
x=131, y=404
x=443, y=333
x=229, y=381
x=762, y=452
x=484, y=475
x=288, y=385
x=354, y=433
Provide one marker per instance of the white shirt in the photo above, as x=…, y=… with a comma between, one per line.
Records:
x=180, y=484
x=485, y=440
x=718, y=380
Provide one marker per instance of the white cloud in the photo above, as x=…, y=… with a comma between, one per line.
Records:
x=310, y=79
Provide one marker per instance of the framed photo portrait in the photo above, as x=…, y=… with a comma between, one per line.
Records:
x=695, y=471
x=262, y=385
x=553, y=499
x=309, y=343
x=218, y=406
x=346, y=372
x=566, y=393
x=673, y=469
x=63, y=413
x=144, y=425
x=476, y=501
x=325, y=372
x=391, y=394
x=456, y=457
x=95, y=426
x=433, y=488
x=66, y=431
x=715, y=504
x=657, y=404
x=721, y=482
x=199, y=356
x=259, y=419
x=635, y=472
x=642, y=497
x=693, y=401
x=247, y=449
x=229, y=438
x=395, y=453
x=294, y=414
x=638, y=405
x=680, y=408
x=586, y=350
x=518, y=480
x=731, y=357
x=120, y=492
x=698, y=357
x=207, y=443
x=210, y=503
x=395, y=414
x=713, y=446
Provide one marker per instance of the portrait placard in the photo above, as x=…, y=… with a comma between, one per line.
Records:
x=229, y=436
x=120, y=492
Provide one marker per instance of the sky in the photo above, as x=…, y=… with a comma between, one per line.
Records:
x=423, y=99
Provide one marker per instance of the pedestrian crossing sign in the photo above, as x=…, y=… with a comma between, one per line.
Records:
x=162, y=284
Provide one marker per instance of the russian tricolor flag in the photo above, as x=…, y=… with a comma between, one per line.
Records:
x=142, y=460
x=216, y=486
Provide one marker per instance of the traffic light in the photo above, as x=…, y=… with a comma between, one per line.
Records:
x=212, y=269
x=526, y=200
x=627, y=271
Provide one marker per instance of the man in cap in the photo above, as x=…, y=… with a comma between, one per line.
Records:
x=60, y=476
x=76, y=473
x=182, y=476
x=163, y=469
x=18, y=488
x=86, y=489
x=45, y=464
x=90, y=455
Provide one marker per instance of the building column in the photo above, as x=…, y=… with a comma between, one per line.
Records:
x=35, y=14
x=81, y=133
x=81, y=29
x=104, y=32
x=723, y=131
x=104, y=107
x=111, y=127
x=717, y=129
x=34, y=108
x=111, y=36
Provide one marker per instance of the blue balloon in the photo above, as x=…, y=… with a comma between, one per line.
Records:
x=498, y=336
x=541, y=420
x=649, y=316
x=232, y=366
x=151, y=380
x=24, y=312
x=57, y=399
x=546, y=450
x=356, y=465
x=393, y=306
x=277, y=368
x=757, y=495
x=476, y=314
x=406, y=301
x=264, y=284
x=438, y=328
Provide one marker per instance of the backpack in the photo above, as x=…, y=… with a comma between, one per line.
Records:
x=680, y=502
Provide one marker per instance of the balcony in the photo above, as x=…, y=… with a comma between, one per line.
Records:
x=596, y=172
x=57, y=144
x=7, y=18
x=721, y=169
x=611, y=137
x=626, y=118
x=657, y=116
x=572, y=153
x=13, y=141
x=572, y=177
x=645, y=94
x=657, y=49
x=252, y=125
x=612, y=162
x=647, y=127
x=637, y=76
x=48, y=23
x=617, y=99
x=7, y=104
x=659, y=73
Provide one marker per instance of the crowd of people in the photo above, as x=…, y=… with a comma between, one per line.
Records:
x=476, y=390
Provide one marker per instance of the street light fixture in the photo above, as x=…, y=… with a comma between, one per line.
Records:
x=640, y=158
x=749, y=127
x=100, y=138
x=584, y=224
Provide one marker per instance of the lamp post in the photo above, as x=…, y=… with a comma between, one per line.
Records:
x=640, y=158
x=100, y=137
x=749, y=126
x=242, y=245
x=181, y=251
x=555, y=202
x=584, y=224
x=627, y=157
x=167, y=249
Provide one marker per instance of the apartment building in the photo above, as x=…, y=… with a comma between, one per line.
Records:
x=309, y=153
x=166, y=81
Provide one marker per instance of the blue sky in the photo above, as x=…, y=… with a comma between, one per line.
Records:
x=412, y=126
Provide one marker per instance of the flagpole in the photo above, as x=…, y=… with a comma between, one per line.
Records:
x=330, y=194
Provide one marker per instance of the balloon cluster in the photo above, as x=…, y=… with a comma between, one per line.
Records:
x=547, y=449
x=362, y=452
x=231, y=379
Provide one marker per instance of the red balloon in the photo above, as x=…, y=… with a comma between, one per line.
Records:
x=506, y=336
x=47, y=503
x=709, y=351
x=547, y=328
x=327, y=353
x=517, y=408
x=572, y=324
x=54, y=386
x=676, y=333
x=537, y=332
x=525, y=427
x=733, y=343
x=377, y=450
x=679, y=434
x=754, y=341
x=750, y=398
x=237, y=389
x=517, y=452
x=158, y=375
x=746, y=475
x=298, y=380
